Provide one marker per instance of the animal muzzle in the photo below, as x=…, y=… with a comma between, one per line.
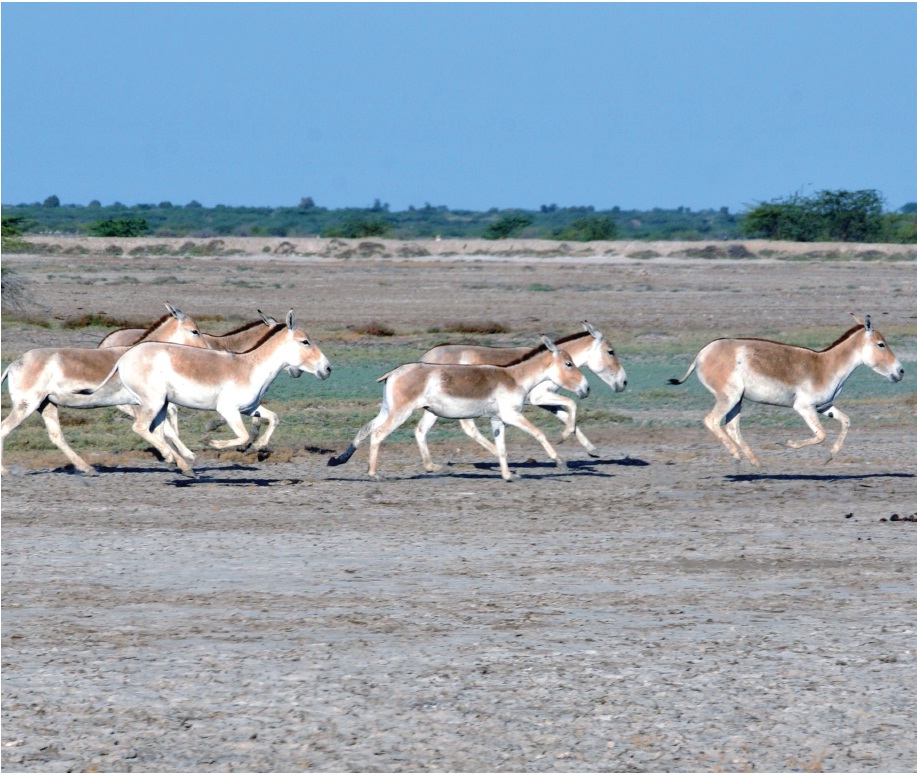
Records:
x=583, y=390
x=896, y=375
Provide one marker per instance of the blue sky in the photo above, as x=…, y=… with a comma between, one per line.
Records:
x=466, y=105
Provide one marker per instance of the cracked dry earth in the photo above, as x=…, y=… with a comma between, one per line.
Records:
x=633, y=613
x=656, y=609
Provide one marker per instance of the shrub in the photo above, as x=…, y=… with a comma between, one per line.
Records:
x=119, y=227
x=588, y=230
x=507, y=226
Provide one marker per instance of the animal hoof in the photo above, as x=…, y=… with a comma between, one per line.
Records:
x=89, y=472
x=334, y=461
x=560, y=462
x=592, y=452
x=434, y=468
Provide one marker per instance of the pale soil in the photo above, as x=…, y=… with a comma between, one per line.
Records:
x=656, y=609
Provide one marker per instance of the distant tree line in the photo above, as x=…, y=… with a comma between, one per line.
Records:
x=847, y=216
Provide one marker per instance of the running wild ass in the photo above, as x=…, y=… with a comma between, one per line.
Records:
x=233, y=384
x=787, y=375
x=466, y=392
x=589, y=348
x=238, y=340
x=46, y=378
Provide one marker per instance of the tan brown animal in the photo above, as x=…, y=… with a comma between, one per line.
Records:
x=459, y=392
x=787, y=375
x=46, y=378
x=589, y=348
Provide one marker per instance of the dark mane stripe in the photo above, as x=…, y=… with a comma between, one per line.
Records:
x=274, y=330
x=239, y=330
x=568, y=338
x=844, y=337
x=152, y=328
x=542, y=348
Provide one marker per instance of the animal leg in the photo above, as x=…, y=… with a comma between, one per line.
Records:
x=392, y=422
x=49, y=414
x=723, y=406
x=365, y=431
x=471, y=429
x=735, y=433
x=420, y=433
x=562, y=407
x=499, y=431
x=836, y=414
x=808, y=414
x=169, y=430
x=270, y=419
x=21, y=410
x=520, y=422
x=234, y=421
x=144, y=422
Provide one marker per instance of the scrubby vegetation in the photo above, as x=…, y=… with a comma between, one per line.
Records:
x=847, y=216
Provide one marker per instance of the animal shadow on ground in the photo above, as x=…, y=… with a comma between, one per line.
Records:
x=814, y=477
x=283, y=481
x=579, y=467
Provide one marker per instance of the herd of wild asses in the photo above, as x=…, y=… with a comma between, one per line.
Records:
x=147, y=373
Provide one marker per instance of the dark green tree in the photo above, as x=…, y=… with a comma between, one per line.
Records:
x=589, y=229
x=119, y=227
x=507, y=226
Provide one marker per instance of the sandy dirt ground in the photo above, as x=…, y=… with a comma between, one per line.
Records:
x=654, y=609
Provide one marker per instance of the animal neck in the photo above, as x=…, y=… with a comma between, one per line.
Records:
x=840, y=359
x=579, y=346
x=531, y=372
x=239, y=340
x=156, y=332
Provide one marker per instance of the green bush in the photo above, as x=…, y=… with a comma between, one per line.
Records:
x=588, y=230
x=507, y=226
x=119, y=227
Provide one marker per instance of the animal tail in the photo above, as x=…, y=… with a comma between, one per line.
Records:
x=681, y=381
x=5, y=372
x=385, y=376
x=97, y=388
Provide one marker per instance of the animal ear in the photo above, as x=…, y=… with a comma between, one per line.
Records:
x=591, y=330
x=549, y=344
x=291, y=323
x=267, y=319
x=867, y=324
x=858, y=319
x=175, y=313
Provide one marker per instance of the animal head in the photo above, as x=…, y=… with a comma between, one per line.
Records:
x=564, y=371
x=177, y=329
x=302, y=354
x=602, y=361
x=877, y=354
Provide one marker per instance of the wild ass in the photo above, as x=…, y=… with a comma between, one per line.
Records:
x=590, y=349
x=233, y=384
x=787, y=375
x=238, y=340
x=46, y=378
x=459, y=392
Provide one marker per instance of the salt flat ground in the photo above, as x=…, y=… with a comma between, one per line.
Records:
x=657, y=608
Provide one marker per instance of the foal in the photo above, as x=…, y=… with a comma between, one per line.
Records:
x=787, y=375
x=458, y=392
